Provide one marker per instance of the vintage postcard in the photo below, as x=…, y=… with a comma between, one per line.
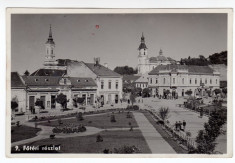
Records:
x=119, y=82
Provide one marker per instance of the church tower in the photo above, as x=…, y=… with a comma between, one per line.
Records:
x=50, y=52
x=142, y=57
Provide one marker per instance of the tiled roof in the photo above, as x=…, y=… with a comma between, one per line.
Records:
x=142, y=79
x=48, y=72
x=82, y=82
x=54, y=81
x=130, y=77
x=16, y=80
x=42, y=80
x=160, y=58
x=190, y=68
x=101, y=70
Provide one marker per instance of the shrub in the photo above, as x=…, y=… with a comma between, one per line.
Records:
x=99, y=138
x=134, y=107
x=127, y=150
x=62, y=99
x=163, y=113
x=39, y=103
x=112, y=118
x=79, y=117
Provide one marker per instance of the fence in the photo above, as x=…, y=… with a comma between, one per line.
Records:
x=178, y=135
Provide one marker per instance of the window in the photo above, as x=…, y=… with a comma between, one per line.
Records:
x=78, y=80
x=183, y=81
x=65, y=81
x=216, y=81
x=200, y=80
x=151, y=80
x=46, y=80
x=156, y=81
x=173, y=80
x=110, y=84
x=210, y=81
x=195, y=81
x=51, y=51
x=102, y=84
x=164, y=80
x=190, y=81
x=116, y=84
x=36, y=80
x=205, y=81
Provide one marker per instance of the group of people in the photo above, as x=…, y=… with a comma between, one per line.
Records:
x=180, y=126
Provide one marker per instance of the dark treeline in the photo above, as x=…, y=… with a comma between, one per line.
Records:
x=216, y=58
x=125, y=70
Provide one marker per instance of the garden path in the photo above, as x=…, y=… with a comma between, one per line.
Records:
x=153, y=138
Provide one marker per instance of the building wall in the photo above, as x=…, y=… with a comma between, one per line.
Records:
x=106, y=91
x=182, y=82
x=20, y=95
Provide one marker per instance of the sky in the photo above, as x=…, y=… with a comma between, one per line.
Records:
x=117, y=39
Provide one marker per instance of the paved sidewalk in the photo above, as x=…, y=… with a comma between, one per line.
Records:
x=154, y=140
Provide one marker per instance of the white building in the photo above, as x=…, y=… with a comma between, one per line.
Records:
x=18, y=92
x=146, y=64
x=180, y=78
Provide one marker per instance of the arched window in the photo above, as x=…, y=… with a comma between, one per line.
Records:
x=183, y=81
x=164, y=80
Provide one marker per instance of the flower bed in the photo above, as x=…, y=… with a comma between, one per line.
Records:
x=69, y=128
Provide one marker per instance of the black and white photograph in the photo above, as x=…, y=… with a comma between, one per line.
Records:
x=106, y=81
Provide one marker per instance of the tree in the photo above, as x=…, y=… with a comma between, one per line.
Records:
x=26, y=73
x=212, y=129
x=218, y=58
x=217, y=91
x=163, y=113
x=146, y=92
x=138, y=91
x=189, y=92
x=127, y=150
x=14, y=104
x=125, y=70
x=224, y=90
x=39, y=103
x=62, y=99
x=132, y=98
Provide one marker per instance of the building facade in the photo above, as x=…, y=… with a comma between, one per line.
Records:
x=18, y=92
x=146, y=63
x=180, y=78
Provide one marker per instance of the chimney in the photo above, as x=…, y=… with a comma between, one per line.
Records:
x=97, y=61
x=106, y=65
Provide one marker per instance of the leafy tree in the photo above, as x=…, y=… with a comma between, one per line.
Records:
x=39, y=103
x=146, y=92
x=217, y=91
x=26, y=73
x=212, y=129
x=62, y=99
x=79, y=117
x=189, y=92
x=125, y=70
x=224, y=90
x=14, y=105
x=218, y=58
x=163, y=113
x=132, y=98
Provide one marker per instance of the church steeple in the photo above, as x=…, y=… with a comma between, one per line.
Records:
x=50, y=50
x=50, y=38
x=142, y=44
x=160, y=52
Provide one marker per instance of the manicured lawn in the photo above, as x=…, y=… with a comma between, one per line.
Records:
x=99, y=121
x=23, y=132
x=88, y=144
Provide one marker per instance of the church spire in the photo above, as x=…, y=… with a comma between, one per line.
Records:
x=50, y=38
x=160, y=52
x=142, y=44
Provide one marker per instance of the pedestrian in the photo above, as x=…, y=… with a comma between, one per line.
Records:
x=176, y=126
x=184, y=124
x=180, y=125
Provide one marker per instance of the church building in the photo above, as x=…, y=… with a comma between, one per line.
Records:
x=146, y=63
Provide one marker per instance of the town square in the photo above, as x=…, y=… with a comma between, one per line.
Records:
x=119, y=83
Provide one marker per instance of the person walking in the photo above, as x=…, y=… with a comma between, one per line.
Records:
x=184, y=125
x=176, y=126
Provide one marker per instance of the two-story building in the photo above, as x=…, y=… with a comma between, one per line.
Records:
x=180, y=78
